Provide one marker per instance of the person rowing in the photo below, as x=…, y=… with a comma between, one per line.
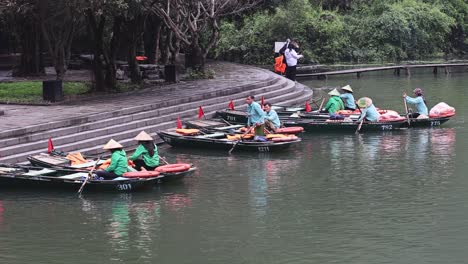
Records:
x=419, y=102
x=119, y=162
x=146, y=155
x=272, y=121
x=256, y=116
x=368, y=110
x=348, y=98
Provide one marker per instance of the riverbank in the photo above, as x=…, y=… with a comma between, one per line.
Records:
x=86, y=125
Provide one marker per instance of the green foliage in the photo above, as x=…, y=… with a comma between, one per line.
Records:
x=200, y=75
x=355, y=31
x=31, y=91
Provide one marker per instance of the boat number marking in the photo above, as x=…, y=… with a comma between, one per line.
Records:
x=263, y=149
x=387, y=127
x=124, y=187
x=231, y=118
x=435, y=123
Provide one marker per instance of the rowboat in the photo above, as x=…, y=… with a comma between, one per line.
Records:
x=220, y=141
x=47, y=160
x=240, y=117
x=316, y=125
x=24, y=177
x=428, y=122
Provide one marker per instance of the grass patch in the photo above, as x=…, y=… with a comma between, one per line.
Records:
x=31, y=91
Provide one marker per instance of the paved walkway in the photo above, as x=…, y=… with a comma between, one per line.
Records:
x=227, y=75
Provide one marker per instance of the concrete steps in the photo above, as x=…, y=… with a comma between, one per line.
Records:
x=89, y=134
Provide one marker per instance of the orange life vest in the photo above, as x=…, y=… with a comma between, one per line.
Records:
x=280, y=67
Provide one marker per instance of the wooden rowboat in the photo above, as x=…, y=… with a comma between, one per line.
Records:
x=316, y=125
x=46, y=160
x=24, y=177
x=219, y=141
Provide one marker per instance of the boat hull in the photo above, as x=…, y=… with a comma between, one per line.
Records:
x=10, y=182
x=220, y=144
x=344, y=127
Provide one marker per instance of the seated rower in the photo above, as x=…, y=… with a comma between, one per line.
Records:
x=419, y=101
x=348, y=98
x=147, y=150
x=256, y=116
x=272, y=121
x=119, y=162
x=334, y=104
x=368, y=110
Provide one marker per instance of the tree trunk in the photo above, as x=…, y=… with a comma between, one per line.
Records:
x=135, y=75
x=32, y=60
x=96, y=32
x=196, y=58
x=152, y=37
x=166, y=48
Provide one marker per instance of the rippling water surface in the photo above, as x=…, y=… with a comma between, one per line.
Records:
x=398, y=197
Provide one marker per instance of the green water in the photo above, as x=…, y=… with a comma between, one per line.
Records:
x=395, y=197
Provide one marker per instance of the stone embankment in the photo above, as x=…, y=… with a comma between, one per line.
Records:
x=86, y=125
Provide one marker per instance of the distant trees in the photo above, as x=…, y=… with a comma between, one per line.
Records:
x=351, y=30
x=117, y=29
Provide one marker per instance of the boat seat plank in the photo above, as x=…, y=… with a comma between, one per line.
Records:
x=73, y=176
x=229, y=127
x=56, y=160
x=39, y=172
x=87, y=164
x=214, y=135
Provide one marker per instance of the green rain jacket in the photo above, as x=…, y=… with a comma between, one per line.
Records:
x=119, y=162
x=143, y=152
x=334, y=104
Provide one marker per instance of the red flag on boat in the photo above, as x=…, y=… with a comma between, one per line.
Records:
x=263, y=101
x=50, y=146
x=179, y=123
x=231, y=105
x=200, y=112
x=307, y=107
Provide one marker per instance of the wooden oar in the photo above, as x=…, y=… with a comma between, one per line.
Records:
x=90, y=174
x=359, y=127
x=362, y=121
x=406, y=110
x=240, y=139
x=163, y=159
x=321, y=104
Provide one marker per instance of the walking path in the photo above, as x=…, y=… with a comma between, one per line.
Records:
x=383, y=68
x=86, y=125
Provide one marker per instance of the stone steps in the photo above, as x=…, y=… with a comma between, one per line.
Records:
x=123, y=125
x=130, y=116
x=129, y=110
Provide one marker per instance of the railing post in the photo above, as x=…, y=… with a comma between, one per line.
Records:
x=434, y=71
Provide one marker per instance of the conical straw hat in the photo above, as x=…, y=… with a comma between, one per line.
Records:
x=347, y=88
x=112, y=144
x=364, y=102
x=334, y=92
x=143, y=136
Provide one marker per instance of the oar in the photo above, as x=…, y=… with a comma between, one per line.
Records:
x=360, y=124
x=90, y=174
x=321, y=104
x=163, y=159
x=406, y=110
x=241, y=137
x=359, y=127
